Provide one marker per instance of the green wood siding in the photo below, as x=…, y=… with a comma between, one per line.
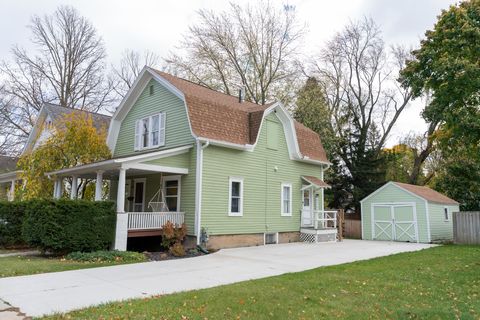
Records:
x=177, y=131
x=394, y=194
x=178, y=161
x=263, y=171
x=440, y=228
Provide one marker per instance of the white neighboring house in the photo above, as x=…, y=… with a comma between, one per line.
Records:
x=50, y=116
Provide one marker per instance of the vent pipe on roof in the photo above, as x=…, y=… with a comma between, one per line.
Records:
x=241, y=95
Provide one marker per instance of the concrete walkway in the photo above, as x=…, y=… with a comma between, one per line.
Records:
x=48, y=293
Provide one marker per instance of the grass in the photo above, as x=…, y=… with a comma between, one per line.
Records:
x=438, y=283
x=18, y=265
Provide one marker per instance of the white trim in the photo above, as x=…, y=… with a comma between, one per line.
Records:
x=388, y=184
x=239, y=180
x=155, y=168
x=427, y=212
x=127, y=160
x=177, y=178
x=135, y=181
x=265, y=237
x=8, y=176
x=34, y=131
x=289, y=213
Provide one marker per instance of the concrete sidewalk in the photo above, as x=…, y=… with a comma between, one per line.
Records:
x=48, y=293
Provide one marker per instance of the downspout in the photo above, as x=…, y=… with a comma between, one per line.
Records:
x=198, y=189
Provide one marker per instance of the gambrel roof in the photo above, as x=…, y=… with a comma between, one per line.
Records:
x=223, y=117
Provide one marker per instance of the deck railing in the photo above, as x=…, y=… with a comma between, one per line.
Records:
x=325, y=219
x=153, y=220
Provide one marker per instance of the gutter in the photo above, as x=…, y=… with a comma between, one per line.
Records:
x=198, y=186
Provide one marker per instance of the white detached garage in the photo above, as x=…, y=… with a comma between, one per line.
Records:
x=404, y=212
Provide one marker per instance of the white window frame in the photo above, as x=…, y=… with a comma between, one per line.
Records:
x=447, y=216
x=138, y=145
x=230, y=180
x=282, y=208
x=179, y=189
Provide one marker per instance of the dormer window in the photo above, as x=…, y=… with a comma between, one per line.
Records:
x=150, y=132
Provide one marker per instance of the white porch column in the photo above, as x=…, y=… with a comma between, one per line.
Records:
x=55, y=187
x=121, y=231
x=60, y=188
x=99, y=185
x=12, y=191
x=73, y=191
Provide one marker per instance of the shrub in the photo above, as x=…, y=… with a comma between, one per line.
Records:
x=11, y=220
x=172, y=234
x=106, y=256
x=63, y=226
x=177, y=250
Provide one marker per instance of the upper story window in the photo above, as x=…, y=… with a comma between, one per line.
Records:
x=235, y=203
x=150, y=132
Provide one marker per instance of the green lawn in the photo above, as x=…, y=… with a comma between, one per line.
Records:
x=17, y=266
x=438, y=283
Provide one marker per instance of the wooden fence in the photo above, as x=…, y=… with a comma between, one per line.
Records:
x=466, y=227
x=348, y=228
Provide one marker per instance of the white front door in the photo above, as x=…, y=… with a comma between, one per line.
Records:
x=139, y=195
x=307, y=212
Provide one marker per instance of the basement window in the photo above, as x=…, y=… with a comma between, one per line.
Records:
x=271, y=238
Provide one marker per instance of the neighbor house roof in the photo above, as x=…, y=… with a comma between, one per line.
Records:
x=426, y=193
x=8, y=164
x=218, y=116
x=58, y=113
x=316, y=181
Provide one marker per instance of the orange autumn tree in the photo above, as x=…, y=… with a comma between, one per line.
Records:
x=74, y=142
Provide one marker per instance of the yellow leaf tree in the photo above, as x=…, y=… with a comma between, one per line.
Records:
x=74, y=141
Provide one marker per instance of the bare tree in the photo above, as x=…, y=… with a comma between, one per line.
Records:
x=255, y=47
x=68, y=68
x=358, y=76
x=131, y=63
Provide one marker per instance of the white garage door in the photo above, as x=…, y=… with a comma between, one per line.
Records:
x=396, y=222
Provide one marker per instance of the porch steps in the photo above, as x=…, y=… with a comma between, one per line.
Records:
x=311, y=235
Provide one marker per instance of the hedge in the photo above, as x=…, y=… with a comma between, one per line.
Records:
x=11, y=220
x=64, y=226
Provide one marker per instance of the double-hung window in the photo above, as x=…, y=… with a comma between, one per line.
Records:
x=150, y=132
x=286, y=198
x=235, y=201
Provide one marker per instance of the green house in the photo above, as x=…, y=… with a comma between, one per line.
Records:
x=236, y=173
x=404, y=212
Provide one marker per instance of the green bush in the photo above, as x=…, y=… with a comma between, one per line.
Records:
x=11, y=220
x=106, y=256
x=63, y=226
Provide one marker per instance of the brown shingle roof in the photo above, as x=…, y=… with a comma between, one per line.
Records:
x=219, y=116
x=426, y=193
x=316, y=181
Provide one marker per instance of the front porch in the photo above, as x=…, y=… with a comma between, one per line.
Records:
x=147, y=194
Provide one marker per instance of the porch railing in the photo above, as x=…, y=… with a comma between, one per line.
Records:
x=325, y=219
x=153, y=220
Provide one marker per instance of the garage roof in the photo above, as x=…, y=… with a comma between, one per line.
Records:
x=426, y=193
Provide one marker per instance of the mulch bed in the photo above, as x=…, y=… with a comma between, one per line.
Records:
x=165, y=255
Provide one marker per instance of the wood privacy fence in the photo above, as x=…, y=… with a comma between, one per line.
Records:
x=348, y=228
x=466, y=227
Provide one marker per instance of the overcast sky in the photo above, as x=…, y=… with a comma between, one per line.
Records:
x=158, y=25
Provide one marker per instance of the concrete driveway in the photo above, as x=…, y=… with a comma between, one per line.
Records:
x=48, y=293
